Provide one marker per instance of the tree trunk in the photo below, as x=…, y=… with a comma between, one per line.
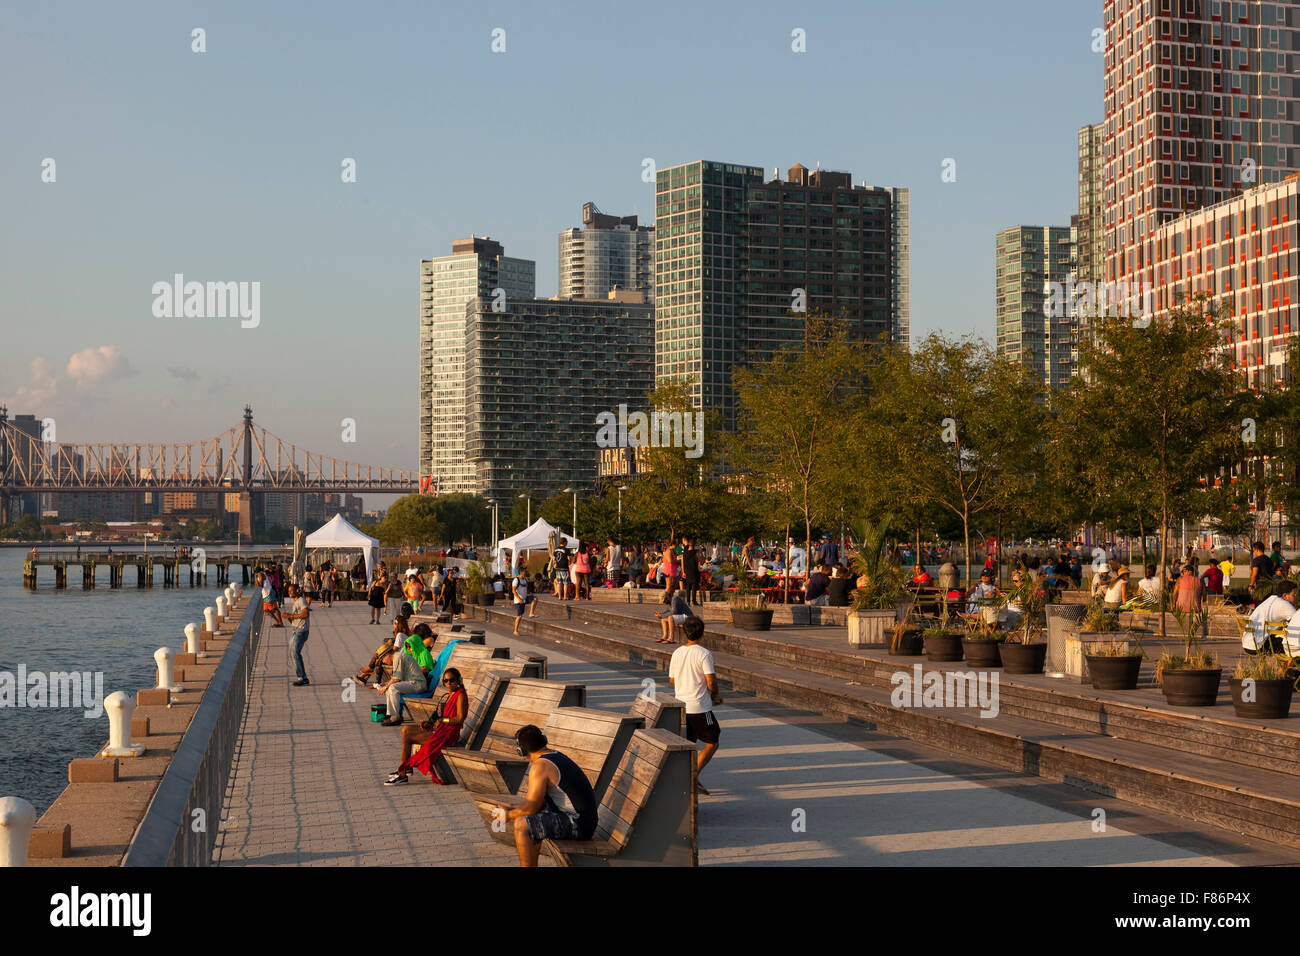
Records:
x=965, y=531
x=787, y=562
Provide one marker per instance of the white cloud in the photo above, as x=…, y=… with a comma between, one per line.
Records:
x=98, y=364
x=41, y=390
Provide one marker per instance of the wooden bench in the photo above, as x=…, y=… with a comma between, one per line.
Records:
x=647, y=816
x=492, y=752
x=661, y=712
x=592, y=739
x=475, y=676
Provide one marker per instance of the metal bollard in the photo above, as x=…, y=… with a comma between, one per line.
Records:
x=17, y=817
x=165, y=657
x=192, y=644
x=210, y=620
x=120, y=707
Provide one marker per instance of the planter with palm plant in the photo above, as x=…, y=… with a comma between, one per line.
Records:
x=478, y=583
x=982, y=642
x=1190, y=679
x=750, y=608
x=881, y=591
x=905, y=639
x=1026, y=647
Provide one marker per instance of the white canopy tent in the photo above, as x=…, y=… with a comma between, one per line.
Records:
x=533, y=538
x=339, y=534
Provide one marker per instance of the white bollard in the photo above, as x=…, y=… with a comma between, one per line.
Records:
x=120, y=707
x=192, y=644
x=229, y=592
x=221, y=608
x=165, y=657
x=210, y=619
x=239, y=592
x=17, y=817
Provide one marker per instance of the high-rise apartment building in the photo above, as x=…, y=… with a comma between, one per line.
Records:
x=699, y=228
x=1244, y=253
x=477, y=267
x=1033, y=326
x=1200, y=100
x=1090, y=256
x=814, y=242
x=608, y=252
x=537, y=374
x=731, y=249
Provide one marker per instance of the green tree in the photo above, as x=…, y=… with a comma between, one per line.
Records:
x=795, y=424
x=1159, y=412
x=956, y=426
x=411, y=521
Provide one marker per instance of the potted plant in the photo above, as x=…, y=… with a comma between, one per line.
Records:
x=905, y=640
x=881, y=600
x=982, y=642
x=750, y=609
x=1024, y=650
x=1192, y=678
x=1261, y=688
x=1113, y=664
x=478, y=584
x=943, y=642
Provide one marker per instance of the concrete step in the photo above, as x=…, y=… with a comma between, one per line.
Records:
x=1241, y=797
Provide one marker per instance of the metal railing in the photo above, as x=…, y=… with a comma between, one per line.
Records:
x=180, y=826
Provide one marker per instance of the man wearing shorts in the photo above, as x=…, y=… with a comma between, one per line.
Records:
x=690, y=671
x=559, y=803
x=522, y=597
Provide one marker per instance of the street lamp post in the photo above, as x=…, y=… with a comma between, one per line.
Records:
x=575, y=509
x=621, y=489
x=529, y=498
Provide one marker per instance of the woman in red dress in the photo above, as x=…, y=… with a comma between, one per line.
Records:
x=443, y=732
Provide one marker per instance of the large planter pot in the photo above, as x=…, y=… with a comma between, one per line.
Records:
x=487, y=599
x=1272, y=699
x=470, y=597
x=943, y=647
x=908, y=644
x=1191, y=687
x=1023, y=658
x=982, y=653
x=1114, y=673
x=752, y=620
x=870, y=628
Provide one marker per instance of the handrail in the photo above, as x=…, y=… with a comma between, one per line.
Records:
x=172, y=832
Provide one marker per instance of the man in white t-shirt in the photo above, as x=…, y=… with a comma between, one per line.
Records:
x=522, y=599
x=690, y=671
x=1273, y=609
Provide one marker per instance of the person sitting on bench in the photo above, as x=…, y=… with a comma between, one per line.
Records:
x=559, y=803
x=432, y=735
x=407, y=677
x=1274, y=609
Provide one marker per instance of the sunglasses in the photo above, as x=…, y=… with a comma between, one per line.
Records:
x=449, y=680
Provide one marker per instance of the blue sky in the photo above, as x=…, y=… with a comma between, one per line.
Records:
x=225, y=166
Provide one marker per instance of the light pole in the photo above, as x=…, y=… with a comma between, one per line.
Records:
x=575, y=509
x=529, y=498
x=621, y=489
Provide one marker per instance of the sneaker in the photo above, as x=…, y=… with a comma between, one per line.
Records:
x=395, y=780
x=301, y=683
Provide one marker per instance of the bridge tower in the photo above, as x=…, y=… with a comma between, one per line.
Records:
x=5, y=478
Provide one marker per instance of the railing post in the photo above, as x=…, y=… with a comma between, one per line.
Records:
x=17, y=817
x=164, y=657
x=120, y=707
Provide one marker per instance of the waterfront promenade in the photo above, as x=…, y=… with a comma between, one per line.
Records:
x=788, y=787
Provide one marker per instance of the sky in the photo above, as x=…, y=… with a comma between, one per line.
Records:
x=227, y=165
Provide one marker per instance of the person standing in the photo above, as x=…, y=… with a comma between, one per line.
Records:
x=522, y=599
x=582, y=572
x=301, y=616
x=691, y=672
x=561, y=560
x=1188, y=591
x=327, y=585
x=691, y=572
x=1261, y=573
x=614, y=564
x=375, y=598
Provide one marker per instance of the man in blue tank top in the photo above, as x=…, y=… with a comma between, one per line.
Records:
x=559, y=803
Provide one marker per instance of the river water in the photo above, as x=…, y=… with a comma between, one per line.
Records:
x=108, y=631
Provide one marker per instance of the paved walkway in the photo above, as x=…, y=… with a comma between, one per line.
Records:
x=787, y=787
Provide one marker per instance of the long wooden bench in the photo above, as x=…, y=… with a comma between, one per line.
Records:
x=661, y=712
x=647, y=816
x=475, y=676
x=492, y=751
x=592, y=739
